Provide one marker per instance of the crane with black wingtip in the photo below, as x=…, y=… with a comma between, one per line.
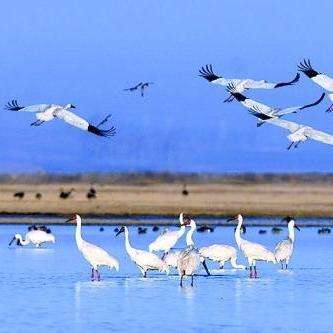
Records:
x=241, y=84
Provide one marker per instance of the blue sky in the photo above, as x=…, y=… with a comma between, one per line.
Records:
x=85, y=53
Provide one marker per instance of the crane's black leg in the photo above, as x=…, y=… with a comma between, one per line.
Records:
x=205, y=267
x=255, y=272
x=191, y=280
x=37, y=123
x=251, y=271
x=92, y=274
x=290, y=146
x=181, y=279
x=330, y=109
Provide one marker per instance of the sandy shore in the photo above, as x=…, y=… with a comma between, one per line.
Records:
x=220, y=199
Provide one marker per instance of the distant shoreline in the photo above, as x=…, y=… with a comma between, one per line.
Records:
x=249, y=194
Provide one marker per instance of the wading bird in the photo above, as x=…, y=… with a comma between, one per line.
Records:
x=36, y=237
x=320, y=79
x=146, y=261
x=48, y=112
x=221, y=254
x=265, y=109
x=190, y=259
x=298, y=133
x=168, y=239
x=171, y=259
x=96, y=256
x=252, y=251
x=241, y=84
x=285, y=248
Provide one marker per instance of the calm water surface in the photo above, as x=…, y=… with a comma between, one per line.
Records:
x=48, y=289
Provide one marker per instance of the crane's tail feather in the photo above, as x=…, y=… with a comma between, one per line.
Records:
x=207, y=73
x=13, y=106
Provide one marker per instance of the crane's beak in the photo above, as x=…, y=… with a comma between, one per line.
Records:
x=71, y=219
x=122, y=229
x=11, y=242
x=296, y=227
x=232, y=219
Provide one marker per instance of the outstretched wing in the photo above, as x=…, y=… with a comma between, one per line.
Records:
x=319, y=135
x=289, y=125
x=247, y=102
x=298, y=108
x=76, y=121
x=14, y=106
x=262, y=84
x=322, y=80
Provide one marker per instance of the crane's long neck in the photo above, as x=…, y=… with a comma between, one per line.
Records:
x=127, y=243
x=78, y=236
x=181, y=231
x=238, y=237
x=189, y=240
x=291, y=232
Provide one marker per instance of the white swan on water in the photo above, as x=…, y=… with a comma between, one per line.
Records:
x=252, y=251
x=34, y=237
x=285, y=248
x=95, y=255
x=146, y=261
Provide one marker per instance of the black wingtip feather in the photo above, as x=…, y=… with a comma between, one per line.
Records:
x=13, y=106
x=305, y=67
x=233, y=91
x=208, y=74
x=100, y=132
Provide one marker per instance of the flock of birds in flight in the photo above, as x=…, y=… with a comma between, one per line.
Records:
x=272, y=115
x=186, y=261
x=235, y=87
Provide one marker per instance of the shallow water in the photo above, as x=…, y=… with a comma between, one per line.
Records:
x=49, y=288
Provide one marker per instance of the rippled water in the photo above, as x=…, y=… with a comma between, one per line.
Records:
x=49, y=288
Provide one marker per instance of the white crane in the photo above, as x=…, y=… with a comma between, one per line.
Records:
x=241, y=84
x=34, y=237
x=48, y=112
x=298, y=132
x=171, y=258
x=320, y=79
x=285, y=248
x=221, y=253
x=95, y=255
x=252, y=251
x=168, y=239
x=190, y=259
x=265, y=109
x=146, y=261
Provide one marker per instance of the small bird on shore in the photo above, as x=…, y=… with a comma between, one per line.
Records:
x=285, y=248
x=95, y=255
x=19, y=194
x=241, y=84
x=66, y=194
x=48, y=112
x=252, y=251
